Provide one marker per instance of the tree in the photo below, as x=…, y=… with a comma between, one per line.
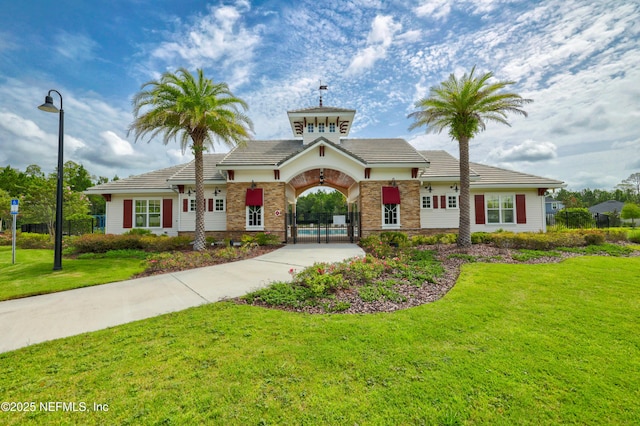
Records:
x=630, y=211
x=76, y=176
x=183, y=107
x=39, y=204
x=5, y=207
x=464, y=106
x=631, y=184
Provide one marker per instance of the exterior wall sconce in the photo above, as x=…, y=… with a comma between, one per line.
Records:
x=428, y=187
x=321, y=176
x=216, y=192
x=253, y=184
x=393, y=182
x=454, y=187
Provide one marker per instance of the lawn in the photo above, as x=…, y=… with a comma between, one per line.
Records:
x=510, y=344
x=33, y=272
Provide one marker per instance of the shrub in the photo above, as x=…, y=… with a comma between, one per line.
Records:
x=375, y=246
x=480, y=238
x=138, y=231
x=28, y=240
x=634, y=236
x=99, y=243
x=575, y=218
x=420, y=240
x=394, y=238
x=594, y=238
x=616, y=235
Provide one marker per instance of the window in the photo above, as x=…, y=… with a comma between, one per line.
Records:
x=148, y=213
x=391, y=214
x=321, y=127
x=219, y=204
x=500, y=209
x=310, y=128
x=192, y=204
x=254, y=217
x=426, y=202
x=332, y=127
x=452, y=201
x=554, y=206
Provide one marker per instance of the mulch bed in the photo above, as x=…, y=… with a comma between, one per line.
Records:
x=451, y=258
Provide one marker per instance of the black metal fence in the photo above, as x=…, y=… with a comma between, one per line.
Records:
x=69, y=227
x=576, y=220
x=322, y=227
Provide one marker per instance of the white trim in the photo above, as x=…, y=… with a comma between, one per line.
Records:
x=259, y=227
x=396, y=225
x=147, y=213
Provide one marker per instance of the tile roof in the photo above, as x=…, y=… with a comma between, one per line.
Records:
x=321, y=109
x=369, y=151
x=148, y=181
x=445, y=165
x=210, y=172
x=162, y=179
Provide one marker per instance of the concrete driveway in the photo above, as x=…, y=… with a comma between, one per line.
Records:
x=37, y=319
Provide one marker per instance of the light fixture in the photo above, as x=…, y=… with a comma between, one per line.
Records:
x=321, y=176
x=253, y=184
x=428, y=187
x=393, y=182
x=189, y=192
x=216, y=192
x=454, y=187
x=48, y=106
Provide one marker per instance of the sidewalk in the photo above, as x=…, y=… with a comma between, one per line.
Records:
x=37, y=319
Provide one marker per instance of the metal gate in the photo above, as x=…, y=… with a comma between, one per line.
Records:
x=322, y=228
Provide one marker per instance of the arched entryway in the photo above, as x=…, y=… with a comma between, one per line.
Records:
x=323, y=226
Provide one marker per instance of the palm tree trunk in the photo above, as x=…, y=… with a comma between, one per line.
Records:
x=200, y=241
x=464, y=228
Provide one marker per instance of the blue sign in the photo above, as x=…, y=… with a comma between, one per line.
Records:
x=15, y=202
x=14, y=206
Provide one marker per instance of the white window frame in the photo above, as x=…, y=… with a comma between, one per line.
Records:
x=320, y=127
x=455, y=197
x=310, y=128
x=554, y=206
x=500, y=209
x=332, y=127
x=429, y=199
x=192, y=205
x=147, y=214
x=392, y=222
x=216, y=207
x=259, y=226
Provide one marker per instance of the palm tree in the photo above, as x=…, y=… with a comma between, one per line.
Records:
x=463, y=106
x=186, y=108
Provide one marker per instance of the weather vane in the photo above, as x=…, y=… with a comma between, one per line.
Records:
x=322, y=87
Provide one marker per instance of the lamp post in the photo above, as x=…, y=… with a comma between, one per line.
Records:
x=48, y=106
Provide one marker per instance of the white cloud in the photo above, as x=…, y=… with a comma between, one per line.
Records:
x=379, y=39
x=21, y=127
x=118, y=145
x=75, y=47
x=219, y=38
x=436, y=9
x=528, y=150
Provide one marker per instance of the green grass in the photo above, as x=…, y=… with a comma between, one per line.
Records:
x=33, y=272
x=509, y=345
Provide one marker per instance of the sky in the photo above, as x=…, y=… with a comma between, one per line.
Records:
x=579, y=61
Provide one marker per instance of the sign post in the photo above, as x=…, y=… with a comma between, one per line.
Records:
x=14, y=213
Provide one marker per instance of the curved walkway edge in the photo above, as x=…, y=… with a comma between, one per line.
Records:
x=37, y=319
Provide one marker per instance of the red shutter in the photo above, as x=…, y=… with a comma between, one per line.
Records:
x=167, y=213
x=479, y=202
x=443, y=201
x=521, y=209
x=435, y=201
x=254, y=197
x=390, y=195
x=127, y=218
x=185, y=205
x=210, y=204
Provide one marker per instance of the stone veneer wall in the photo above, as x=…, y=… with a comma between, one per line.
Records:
x=274, y=199
x=371, y=206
